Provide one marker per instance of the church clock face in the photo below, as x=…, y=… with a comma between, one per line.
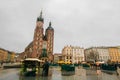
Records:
x=39, y=24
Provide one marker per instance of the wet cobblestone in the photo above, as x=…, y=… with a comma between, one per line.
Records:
x=55, y=74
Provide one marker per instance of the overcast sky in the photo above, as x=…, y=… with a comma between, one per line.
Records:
x=83, y=23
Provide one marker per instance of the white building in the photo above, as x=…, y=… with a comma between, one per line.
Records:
x=78, y=54
x=103, y=54
x=73, y=54
x=100, y=53
x=57, y=57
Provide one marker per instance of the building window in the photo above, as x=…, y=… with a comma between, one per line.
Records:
x=70, y=57
x=67, y=57
x=119, y=57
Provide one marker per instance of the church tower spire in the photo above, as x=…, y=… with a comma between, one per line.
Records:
x=41, y=14
x=40, y=18
x=49, y=23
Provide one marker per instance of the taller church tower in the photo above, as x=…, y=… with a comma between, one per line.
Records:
x=38, y=37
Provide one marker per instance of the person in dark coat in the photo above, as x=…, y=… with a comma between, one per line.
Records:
x=45, y=68
x=1, y=63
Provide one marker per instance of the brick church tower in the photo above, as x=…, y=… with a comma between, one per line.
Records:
x=38, y=37
x=50, y=41
x=40, y=41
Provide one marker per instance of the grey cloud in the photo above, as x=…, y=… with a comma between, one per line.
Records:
x=76, y=22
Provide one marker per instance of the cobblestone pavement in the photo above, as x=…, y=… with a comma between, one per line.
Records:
x=56, y=74
x=83, y=74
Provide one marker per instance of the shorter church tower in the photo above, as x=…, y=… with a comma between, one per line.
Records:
x=50, y=41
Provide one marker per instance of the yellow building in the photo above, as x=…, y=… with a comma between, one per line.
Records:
x=119, y=54
x=114, y=54
x=6, y=56
x=12, y=57
x=3, y=55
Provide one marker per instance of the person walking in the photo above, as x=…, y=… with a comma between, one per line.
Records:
x=1, y=63
x=45, y=68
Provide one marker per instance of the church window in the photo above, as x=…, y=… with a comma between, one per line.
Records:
x=37, y=38
x=37, y=34
x=36, y=43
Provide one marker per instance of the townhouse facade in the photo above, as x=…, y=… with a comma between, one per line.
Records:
x=6, y=56
x=102, y=54
x=73, y=54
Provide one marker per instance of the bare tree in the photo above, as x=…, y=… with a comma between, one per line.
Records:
x=93, y=55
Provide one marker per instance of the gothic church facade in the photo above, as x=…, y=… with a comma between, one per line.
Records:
x=42, y=44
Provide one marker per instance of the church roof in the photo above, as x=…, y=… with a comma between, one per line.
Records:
x=50, y=27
